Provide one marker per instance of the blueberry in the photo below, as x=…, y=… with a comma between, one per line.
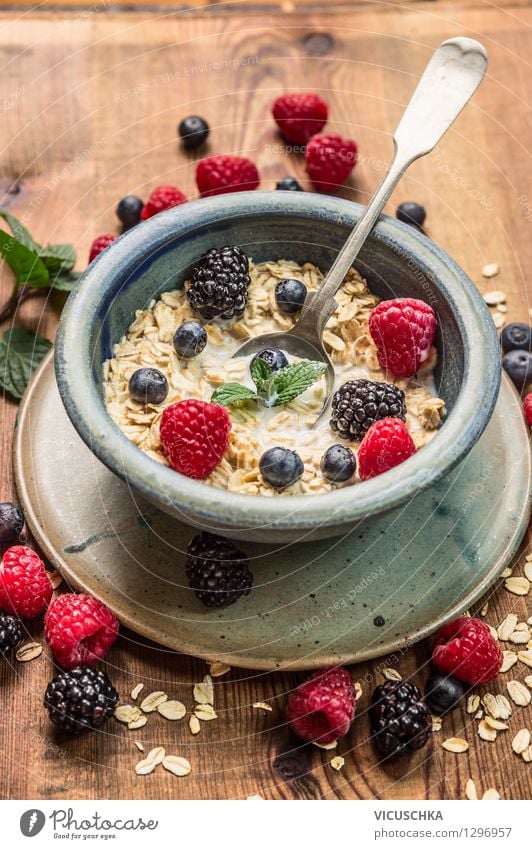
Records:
x=193, y=131
x=128, y=210
x=280, y=467
x=288, y=184
x=518, y=367
x=273, y=357
x=338, y=464
x=148, y=386
x=516, y=337
x=290, y=295
x=190, y=339
x=411, y=212
x=443, y=693
x=11, y=521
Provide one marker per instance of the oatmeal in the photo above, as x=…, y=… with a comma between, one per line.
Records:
x=149, y=343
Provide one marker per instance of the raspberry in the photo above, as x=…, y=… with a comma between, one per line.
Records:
x=162, y=197
x=322, y=708
x=330, y=160
x=79, y=629
x=465, y=648
x=195, y=435
x=300, y=116
x=219, y=174
x=25, y=587
x=386, y=444
x=100, y=244
x=403, y=331
x=527, y=407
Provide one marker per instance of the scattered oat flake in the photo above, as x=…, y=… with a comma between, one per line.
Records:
x=177, y=765
x=506, y=572
x=139, y=746
x=194, y=725
x=29, y=651
x=358, y=690
x=486, y=732
x=493, y=632
x=255, y=798
x=152, y=702
x=137, y=723
x=436, y=723
x=204, y=693
x=520, y=637
x=263, y=706
x=205, y=712
x=326, y=746
x=136, y=691
x=456, y=745
x=517, y=586
x=337, y=762
x=491, y=795
x=499, y=320
x=491, y=269
x=528, y=557
x=518, y=693
x=509, y=658
x=473, y=703
x=152, y=759
x=172, y=709
x=471, y=790
x=491, y=706
x=521, y=741
x=507, y=626
x=504, y=707
x=525, y=657
x=527, y=755
x=392, y=674
x=528, y=681
x=127, y=713
x=218, y=668
x=528, y=573
x=496, y=724
x=484, y=609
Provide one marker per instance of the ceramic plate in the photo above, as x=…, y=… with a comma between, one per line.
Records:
x=311, y=604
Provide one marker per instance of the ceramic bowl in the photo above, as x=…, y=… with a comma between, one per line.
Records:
x=397, y=260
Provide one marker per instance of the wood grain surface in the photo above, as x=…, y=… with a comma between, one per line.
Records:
x=89, y=106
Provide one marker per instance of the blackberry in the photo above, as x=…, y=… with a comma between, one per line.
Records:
x=219, y=284
x=281, y=467
x=412, y=213
x=357, y=404
x=399, y=718
x=11, y=521
x=288, y=184
x=193, y=131
x=10, y=634
x=80, y=699
x=443, y=693
x=217, y=570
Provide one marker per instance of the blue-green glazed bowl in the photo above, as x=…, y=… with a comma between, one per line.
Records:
x=397, y=261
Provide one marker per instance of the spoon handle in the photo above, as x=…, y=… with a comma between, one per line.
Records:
x=449, y=80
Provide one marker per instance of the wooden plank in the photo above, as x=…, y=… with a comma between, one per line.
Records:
x=89, y=113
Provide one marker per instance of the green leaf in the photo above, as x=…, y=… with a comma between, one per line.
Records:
x=19, y=231
x=27, y=266
x=58, y=257
x=292, y=380
x=65, y=281
x=20, y=353
x=260, y=372
x=232, y=393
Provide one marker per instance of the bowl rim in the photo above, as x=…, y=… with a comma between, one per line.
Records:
x=175, y=492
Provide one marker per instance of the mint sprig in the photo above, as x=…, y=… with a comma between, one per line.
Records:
x=20, y=353
x=274, y=388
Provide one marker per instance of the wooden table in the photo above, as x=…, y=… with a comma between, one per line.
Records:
x=90, y=101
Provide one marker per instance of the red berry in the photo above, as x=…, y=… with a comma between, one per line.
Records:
x=403, y=330
x=195, y=435
x=465, y=648
x=162, y=197
x=79, y=629
x=330, y=160
x=219, y=174
x=25, y=587
x=100, y=244
x=527, y=407
x=386, y=444
x=300, y=116
x=323, y=707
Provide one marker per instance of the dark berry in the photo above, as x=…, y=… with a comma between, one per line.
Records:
x=411, y=212
x=358, y=404
x=280, y=467
x=518, y=367
x=10, y=634
x=443, y=693
x=148, y=386
x=129, y=210
x=80, y=700
x=11, y=521
x=193, y=131
x=288, y=184
x=273, y=357
x=219, y=284
x=190, y=339
x=399, y=718
x=516, y=337
x=217, y=570
x=290, y=295
x=338, y=464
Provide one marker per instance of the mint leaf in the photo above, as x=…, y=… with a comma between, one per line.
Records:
x=27, y=266
x=260, y=372
x=65, y=281
x=19, y=231
x=20, y=353
x=57, y=257
x=232, y=393
x=292, y=380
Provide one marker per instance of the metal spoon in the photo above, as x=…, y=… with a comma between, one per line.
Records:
x=450, y=79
